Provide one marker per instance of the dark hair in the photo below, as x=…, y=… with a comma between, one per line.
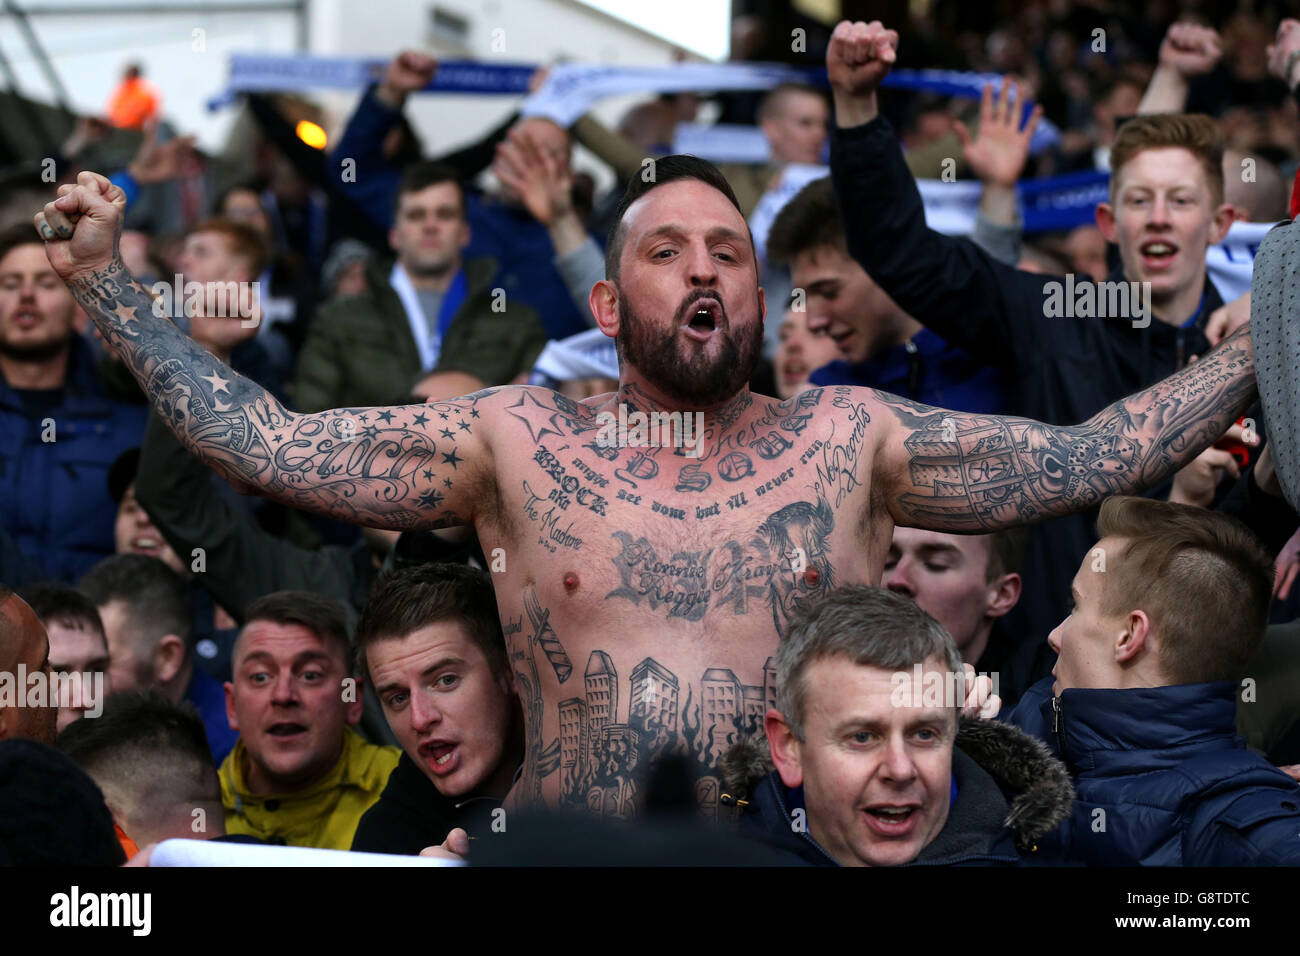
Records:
x=1203, y=578
x=662, y=170
x=324, y=617
x=422, y=175
x=19, y=234
x=51, y=812
x=157, y=597
x=867, y=626
x=142, y=742
x=55, y=602
x=811, y=220
x=254, y=186
x=407, y=600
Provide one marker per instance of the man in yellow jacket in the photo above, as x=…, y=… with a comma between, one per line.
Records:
x=299, y=774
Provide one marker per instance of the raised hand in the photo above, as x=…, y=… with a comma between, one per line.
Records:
x=156, y=162
x=542, y=183
x=1191, y=49
x=1285, y=43
x=408, y=72
x=997, y=156
x=81, y=227
x=859, y=56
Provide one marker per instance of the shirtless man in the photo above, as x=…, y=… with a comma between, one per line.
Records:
x=641, y=589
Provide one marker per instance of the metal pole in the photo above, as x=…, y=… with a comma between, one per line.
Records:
x=38, y=52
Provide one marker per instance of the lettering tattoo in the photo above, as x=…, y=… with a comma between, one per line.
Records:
x=569, y=485
x=769, y=570
x=553, y=533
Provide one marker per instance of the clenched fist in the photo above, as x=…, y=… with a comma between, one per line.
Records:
x=859, y=56
x=82, y=226
x=408, y=72
x=1190, y=49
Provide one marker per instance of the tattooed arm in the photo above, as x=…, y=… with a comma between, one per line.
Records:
x=405, y=468
x=950, y=471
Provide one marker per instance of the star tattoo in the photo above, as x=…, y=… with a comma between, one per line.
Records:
x=539, y=419
x=218, y=383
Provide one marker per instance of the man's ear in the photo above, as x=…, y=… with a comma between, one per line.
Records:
x=168, y=659
x=356, y=707
x=1105, y=214
x=1224, y=217
x=784, y=747
x=1134, y=638
x=231, y=718
x=603, y=302
x=1004, y=595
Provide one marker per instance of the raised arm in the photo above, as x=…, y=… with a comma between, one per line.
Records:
x=962, y=294
x=949, y=471
x=1188, y=50
x=409, y=467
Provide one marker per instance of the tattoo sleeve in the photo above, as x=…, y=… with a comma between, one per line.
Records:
x=949, y=471
x=408, y=467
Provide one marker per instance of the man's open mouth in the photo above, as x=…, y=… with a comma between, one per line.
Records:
x=794, y=371
x=439, y=755
x=1157, y=253
x=286, y=729
x=703, y=319
x=892, y=819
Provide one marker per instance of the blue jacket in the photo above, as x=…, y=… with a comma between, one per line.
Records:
x=1162, y=779
x=54, y=498
x=512, y=237
x=209, y=699
x=932, y=372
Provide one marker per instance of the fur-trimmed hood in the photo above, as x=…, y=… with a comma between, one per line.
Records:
x=1036, y=785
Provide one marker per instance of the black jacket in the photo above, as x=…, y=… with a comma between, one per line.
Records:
x=411, y=814
x=1062, y=370
x=1010, y=792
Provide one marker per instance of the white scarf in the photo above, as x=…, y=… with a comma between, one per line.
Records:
x=425, y=343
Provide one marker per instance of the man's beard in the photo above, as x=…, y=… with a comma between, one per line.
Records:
x=33, y=351
x=705, y=379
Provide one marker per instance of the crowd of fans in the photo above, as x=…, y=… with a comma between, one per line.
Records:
x=382, y=268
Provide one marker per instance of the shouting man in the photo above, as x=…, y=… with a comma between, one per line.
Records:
x=642, y=587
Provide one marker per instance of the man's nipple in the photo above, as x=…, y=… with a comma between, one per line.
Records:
x=571, y=582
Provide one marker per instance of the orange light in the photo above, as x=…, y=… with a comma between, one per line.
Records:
x=311, y=134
